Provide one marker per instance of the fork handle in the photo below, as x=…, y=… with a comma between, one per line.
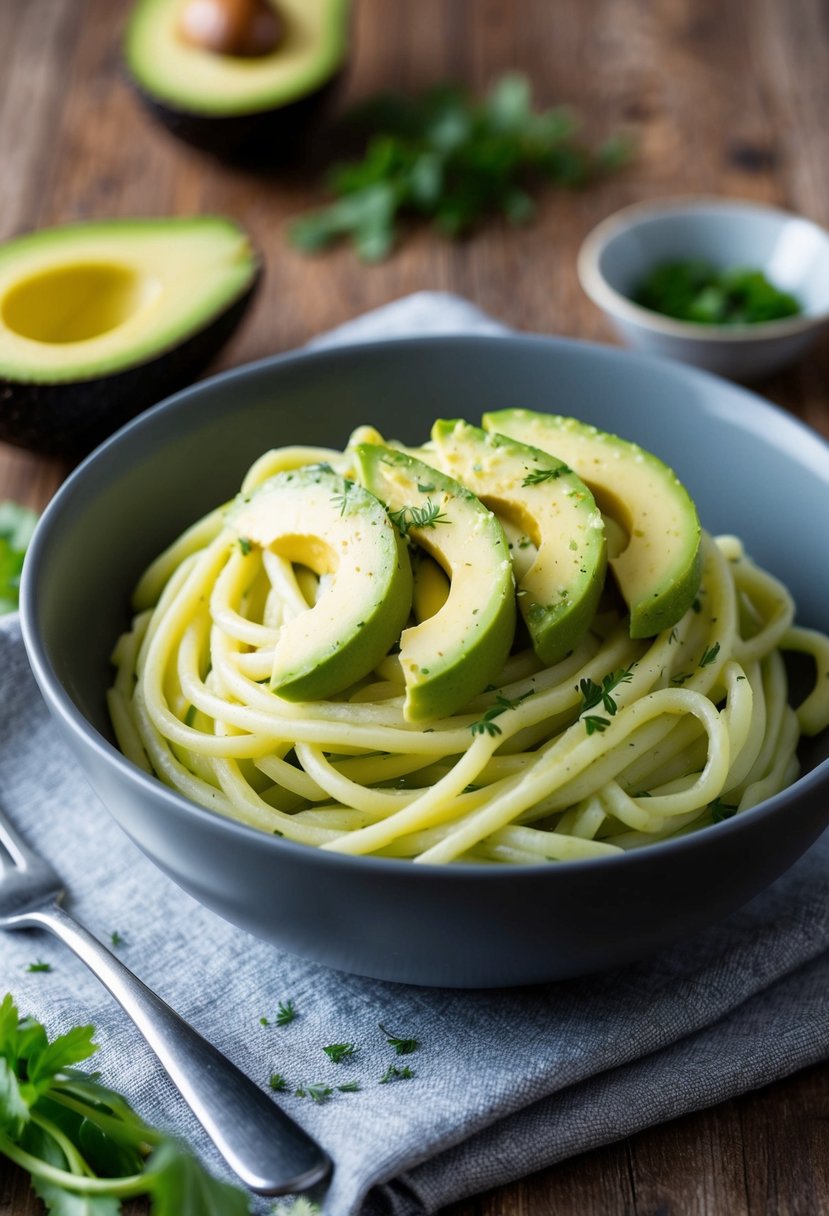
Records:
x=269, y=1151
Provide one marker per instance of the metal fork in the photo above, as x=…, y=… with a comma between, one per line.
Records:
x=269, y=1151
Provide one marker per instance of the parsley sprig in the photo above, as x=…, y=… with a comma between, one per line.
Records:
x=453, y=162
x=426, y=516
x=593, y=695
x=402, y=1046
x=82, y=1143
x=16, y=527
x=485, y=724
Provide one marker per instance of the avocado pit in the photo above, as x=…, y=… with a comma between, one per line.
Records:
x=244, y=28
x=76, y=303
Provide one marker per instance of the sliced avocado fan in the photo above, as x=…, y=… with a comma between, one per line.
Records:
x=454, y=654
x=553, y=517
x=658, y=571
x=316, y=518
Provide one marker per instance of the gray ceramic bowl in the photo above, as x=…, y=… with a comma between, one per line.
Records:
x=792, y=251
x=752, y=469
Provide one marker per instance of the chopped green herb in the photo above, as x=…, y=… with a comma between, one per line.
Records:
x=403, y=1047
x=702, y=293
x=485, y=725
x=245, y=545
x=341, y=500
x=710, y=655
x=349, y=1087
x=39, y=966
x=393, y=1073
x=594, y=724
x=337, y=1052
x=425, y=489
x=592, y=694
x=681, y=677
x=285, y=1013
x=83, y=1145
x=445, y=159
x=427, y=516
x=537, y=476
x=116, y=939
x=317, y=1093
x=277, y=1082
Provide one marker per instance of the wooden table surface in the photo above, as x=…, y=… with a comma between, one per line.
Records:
x=723, y=96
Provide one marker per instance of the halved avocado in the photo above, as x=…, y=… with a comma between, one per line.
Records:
x=658, y=570
x=452, y=655
x=249, y=106
x=99, y=321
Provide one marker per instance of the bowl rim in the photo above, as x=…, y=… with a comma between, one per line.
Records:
x=596, y=286
x=148, y=785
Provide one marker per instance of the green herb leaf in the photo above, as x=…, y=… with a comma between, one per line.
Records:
x=594, y=724
x=710, y=655
x=699, y=292
x=393, y=1073
x=277, y=1082
x=285, y=1013
x=486, y=725
x=245, y=545
x=337, y=1052
x=427, y=516
x=537, y=476
x=403, y=1047
x=39, y=966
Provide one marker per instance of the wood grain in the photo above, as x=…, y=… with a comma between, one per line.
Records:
x=722, y=96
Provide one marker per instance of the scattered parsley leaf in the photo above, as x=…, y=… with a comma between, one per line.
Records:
x=700, y=292
x=349, y=1087
x=337, y=1052
x=318, y=1093
x=116, y=939
x=245, y=545
x=710, y=655
x=285, y=1013
x=393, y=1073
x=277, y=1082
x=486, y=725
x=39, y=966
x=594, y=724
x=341, y=500
x=403, y=1047
x=592, y=695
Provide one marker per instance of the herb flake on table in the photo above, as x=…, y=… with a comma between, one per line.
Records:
x=445, y=159
x=403, y=1046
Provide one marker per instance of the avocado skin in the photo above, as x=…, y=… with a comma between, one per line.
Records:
x=261, y=139
x=71, y=418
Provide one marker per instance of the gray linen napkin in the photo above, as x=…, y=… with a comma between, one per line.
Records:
x=505, y=1082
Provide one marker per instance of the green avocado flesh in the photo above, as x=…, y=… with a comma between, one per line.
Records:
x=87, y=300
x=658, y=570
x=452, y=655
x=199, y=81
x=316, y=518
x=558, y=544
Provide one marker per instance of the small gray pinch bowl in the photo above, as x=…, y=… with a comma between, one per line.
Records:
x=792, y=252
x=752, y=469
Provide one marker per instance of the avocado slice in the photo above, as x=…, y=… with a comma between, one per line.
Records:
x=554, y=516
x=333, y=526
x=658, y=571
x=454, y=654
x=253, y=107
x=100, y=320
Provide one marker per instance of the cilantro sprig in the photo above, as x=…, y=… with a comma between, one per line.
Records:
x=453, y=162
x=16, y=527
x=82, y=1143
x=593, y=695
x=537, y=477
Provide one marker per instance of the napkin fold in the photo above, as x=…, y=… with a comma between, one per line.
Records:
x=505, y=1082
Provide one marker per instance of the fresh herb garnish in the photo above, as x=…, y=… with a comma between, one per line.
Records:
x=116, y=939
x=317, y=1093
x=16, y=527
x=443, y=158
x=485, y=725
x=245, y=545
x=39, y=966
x=82, y=1143
x=349, y=1087
x=702, y=293
x=427, y=516
x=592, y=694
x=277, y=1082
x=285, y=1013
x=393, y=1073
x=538, y=476
x=595, y=724
x=341, y=500
x=710, y=655
x=337, y=1052
x=403, y=1047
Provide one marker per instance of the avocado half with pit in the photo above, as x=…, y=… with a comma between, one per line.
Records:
x=247, y=106
x=99, y=321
